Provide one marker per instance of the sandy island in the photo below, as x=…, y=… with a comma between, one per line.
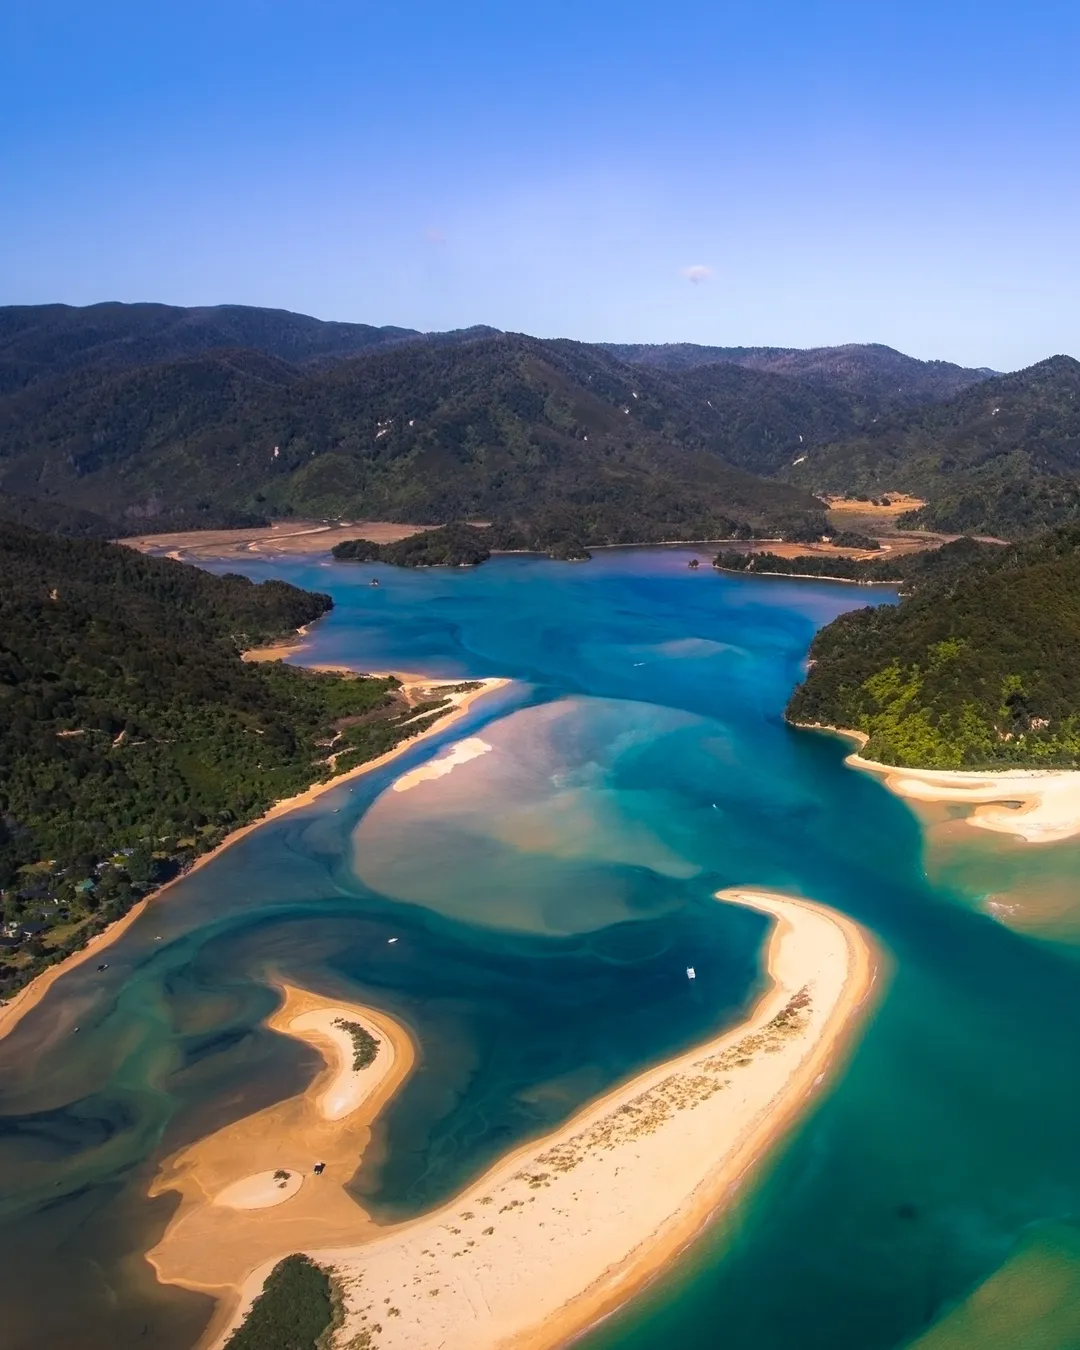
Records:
x=16, y=1008
x=251, y=1187
x=571, y=1225
x=1041, y=806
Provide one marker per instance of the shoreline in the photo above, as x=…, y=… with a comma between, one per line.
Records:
x=1047, y=808
x=553, y=1237
x=802, y=576
x=233, y=1201
x=26, y=999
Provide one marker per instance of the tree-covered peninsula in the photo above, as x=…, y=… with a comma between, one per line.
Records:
x=464, y=545
x=977, y=667
x=133, y=737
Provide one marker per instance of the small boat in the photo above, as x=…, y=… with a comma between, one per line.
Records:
x=374, y=581
x=390, y=941
x=691, y=973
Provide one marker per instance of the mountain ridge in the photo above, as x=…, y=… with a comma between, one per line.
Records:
x=128, y=417
x=1001, y=457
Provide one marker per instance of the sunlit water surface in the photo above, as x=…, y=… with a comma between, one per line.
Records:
x=546, y=897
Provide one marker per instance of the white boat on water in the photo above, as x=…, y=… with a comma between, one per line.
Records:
x=691, y=973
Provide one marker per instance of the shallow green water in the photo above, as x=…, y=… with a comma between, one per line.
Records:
x=546, y=897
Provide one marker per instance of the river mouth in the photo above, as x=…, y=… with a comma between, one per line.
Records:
x=546, y=897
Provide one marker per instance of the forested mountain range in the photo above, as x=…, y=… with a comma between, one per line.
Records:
x=505, y=428
x=1001, y=458
x=39, y=341
x=123, y=418
x=978, y=666
x=133, y=737
x=873, y=373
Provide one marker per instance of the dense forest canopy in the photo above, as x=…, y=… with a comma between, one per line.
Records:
x=978, y=666
x=38, y=341
x=292, y=1312
x=874, y=373
x=139, y=417
x=1001, y=458
x=505, y=429
x=133, y=737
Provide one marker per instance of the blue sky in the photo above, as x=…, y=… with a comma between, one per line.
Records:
x=835, y=171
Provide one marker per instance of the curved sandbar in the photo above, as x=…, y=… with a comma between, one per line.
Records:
x=1046, y=805
x=13, y=1011
x=250, y=1189
x=571, y=1225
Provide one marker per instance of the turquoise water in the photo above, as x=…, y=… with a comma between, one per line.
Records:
x=546, y=897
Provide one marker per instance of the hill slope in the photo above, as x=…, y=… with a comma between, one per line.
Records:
x=979, y=666
x=507, y=428
x=39, y=341
x=128, y=720
x=873, y=373
x=1002, y=457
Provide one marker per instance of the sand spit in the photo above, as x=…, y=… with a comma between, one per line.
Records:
x=348, y=1087
x=250, y=1189
x=1041, y=806
x=571, y=1225
x=15, y=1009
x=282, y=539
x=471, y=748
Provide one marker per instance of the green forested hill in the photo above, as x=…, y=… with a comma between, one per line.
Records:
x=40, y=341
x=503, y=428
x=152, y=417
x=128, y=721
x=877, y=376
x=979, y=665
x=1001, y=458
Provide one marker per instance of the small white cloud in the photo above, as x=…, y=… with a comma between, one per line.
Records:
x=696, y=273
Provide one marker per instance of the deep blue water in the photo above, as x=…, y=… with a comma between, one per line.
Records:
x=545, y=907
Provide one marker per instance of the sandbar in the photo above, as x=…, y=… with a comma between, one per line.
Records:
x=461, y=753
x=569, y=1226
x=236, y=1207
x=16, y=1008
x=348, y=1087
x=282, y=538
x=1040, y=806
x=263, y=1190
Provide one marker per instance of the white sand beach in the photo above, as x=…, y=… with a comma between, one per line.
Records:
x=471, y=748
x=15, y=1009
x=347, y=1088
x=571, y=1225
x=1041, y=806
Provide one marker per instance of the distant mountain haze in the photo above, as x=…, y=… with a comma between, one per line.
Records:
x=118, y=417
x=863, y=369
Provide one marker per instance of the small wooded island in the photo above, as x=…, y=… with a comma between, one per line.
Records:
x=459, y=545
x=977, y=667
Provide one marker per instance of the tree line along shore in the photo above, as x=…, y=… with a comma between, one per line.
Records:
x=552, y=1235
x=135, y=740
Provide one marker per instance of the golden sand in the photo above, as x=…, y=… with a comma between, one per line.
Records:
x=571, y=1225
x=12, y=1012
x=1041, y=806
x=281, y=538
x=231, y=1213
